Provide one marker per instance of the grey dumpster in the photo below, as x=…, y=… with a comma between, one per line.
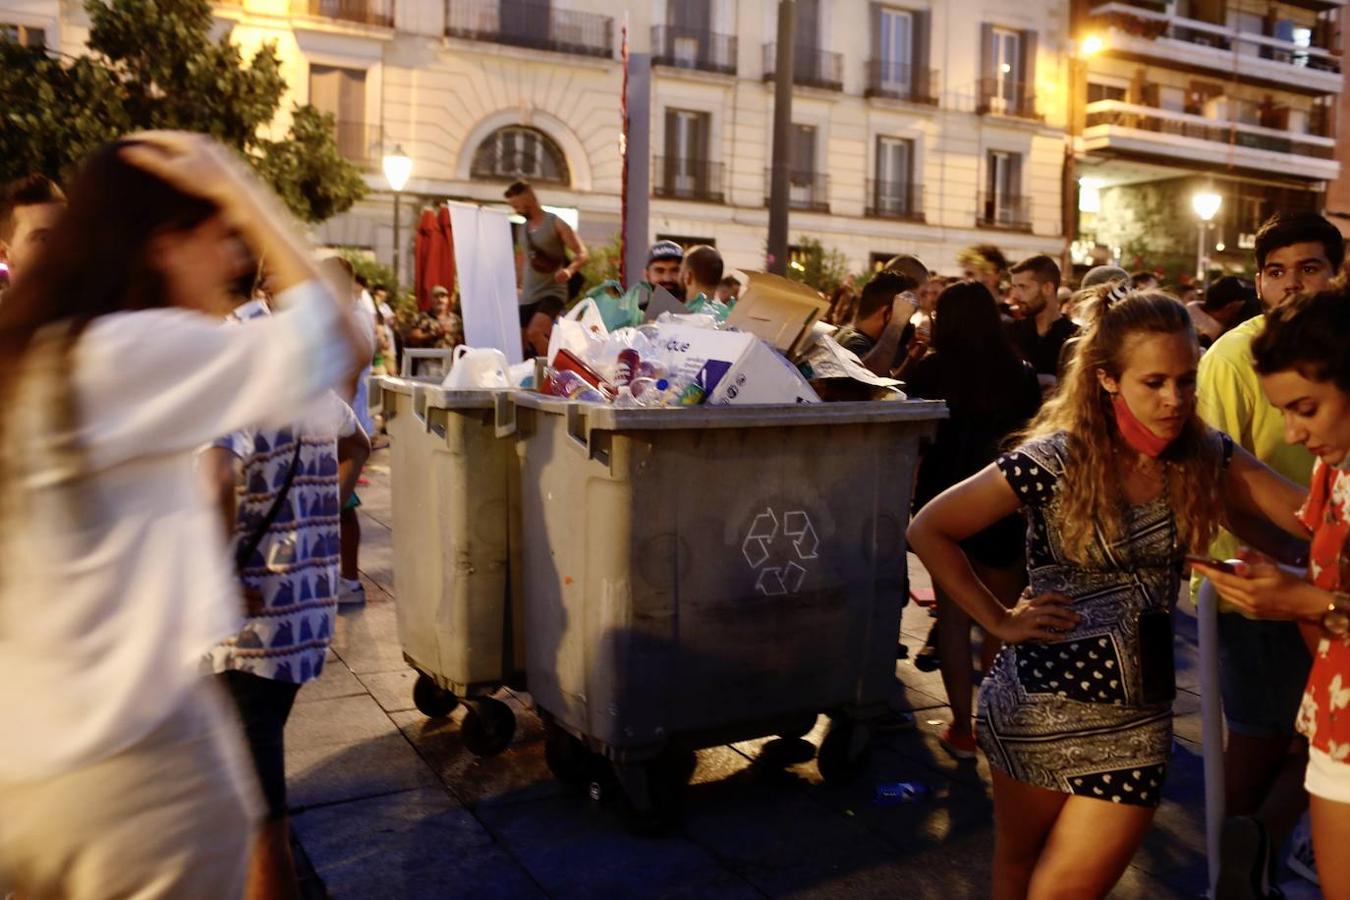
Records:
x=699, y=576
x=455, y=488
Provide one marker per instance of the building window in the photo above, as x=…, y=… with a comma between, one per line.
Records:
x=686, y=170
x=893, y=192
x=520, y=152
x=1002, y=204
x=1008, y=63
x=342, y=93
x=22, y=35
x=803, y=193
x=896, y=51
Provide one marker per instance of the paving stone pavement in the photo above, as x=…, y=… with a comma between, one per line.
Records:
x=388, y=803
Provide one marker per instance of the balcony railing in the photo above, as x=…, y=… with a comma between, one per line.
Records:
x=358, y=143
x=810, y=68
x=688, y=179
x=895, y=200
x=1221, y=41
x=362, y=12
x=1006, y=211
x=1007, y=98
x=901, y=81
x=1186, y=125
x=807, y=191
x=538, y=26
x=691, y=48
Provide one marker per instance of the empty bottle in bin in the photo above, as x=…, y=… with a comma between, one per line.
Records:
x=627, y=368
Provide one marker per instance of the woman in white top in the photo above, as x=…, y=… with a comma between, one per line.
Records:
x=118, y=774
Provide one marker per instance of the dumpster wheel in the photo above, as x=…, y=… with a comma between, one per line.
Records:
x=488, y=726
x=845, y=752
x=568, y=758
x=432, y=700
x=653, y=791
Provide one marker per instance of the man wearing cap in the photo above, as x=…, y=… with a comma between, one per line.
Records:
x=663, y=267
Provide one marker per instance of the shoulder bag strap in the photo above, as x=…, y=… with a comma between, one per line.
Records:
x=247, y=549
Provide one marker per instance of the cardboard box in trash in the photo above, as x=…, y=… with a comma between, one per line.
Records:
x=780, y=311
x=733, y=367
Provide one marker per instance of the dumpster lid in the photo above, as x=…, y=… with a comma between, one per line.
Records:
x=438, y=397
x=603, y=417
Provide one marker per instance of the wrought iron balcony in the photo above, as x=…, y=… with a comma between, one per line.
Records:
x=688, y=179
x=1007, y=98
x=807, y=191
x=1006, y=211
x=810, y=68
x=361, y=12
x=901, y=81
x=535, y=25
x=895, y=200
x=692, y=48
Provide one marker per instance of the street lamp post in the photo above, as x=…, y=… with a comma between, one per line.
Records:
x=397, y=170
x=1206, y=205
x=1080, y=52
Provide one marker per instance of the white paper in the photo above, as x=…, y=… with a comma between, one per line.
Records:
x=486, y=262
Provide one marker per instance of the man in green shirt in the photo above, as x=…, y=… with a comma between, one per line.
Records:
x=1264, y=665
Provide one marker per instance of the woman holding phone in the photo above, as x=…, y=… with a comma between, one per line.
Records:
x=1118, y=478
x=1303, y=357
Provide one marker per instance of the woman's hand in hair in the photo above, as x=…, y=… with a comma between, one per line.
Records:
x=193, y=163
x=1043, y=617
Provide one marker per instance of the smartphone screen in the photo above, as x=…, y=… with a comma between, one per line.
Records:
x=1212, y=563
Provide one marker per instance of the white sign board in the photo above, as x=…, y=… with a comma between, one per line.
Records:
x=486, y=262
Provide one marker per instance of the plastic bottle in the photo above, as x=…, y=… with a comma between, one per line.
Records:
x=627, y=367
x=901, y=793
x=650, y=368
x=691, y=394
x=648, y=392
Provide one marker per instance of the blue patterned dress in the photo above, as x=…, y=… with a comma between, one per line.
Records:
x=1066, y=716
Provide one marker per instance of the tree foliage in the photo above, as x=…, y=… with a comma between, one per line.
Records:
x=153, y=64
x=821, y=269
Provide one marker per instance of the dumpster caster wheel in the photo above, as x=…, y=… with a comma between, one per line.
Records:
x=653, y=792
x=488, y=726
x=799, y=729
x=568, y=758
x=432, y=700
x=845, y=752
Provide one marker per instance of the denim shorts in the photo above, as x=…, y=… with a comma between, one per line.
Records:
x=1263, y=669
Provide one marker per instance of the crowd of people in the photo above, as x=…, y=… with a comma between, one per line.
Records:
x=184, y=376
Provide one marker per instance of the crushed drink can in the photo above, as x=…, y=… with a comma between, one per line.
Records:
x=627, y=369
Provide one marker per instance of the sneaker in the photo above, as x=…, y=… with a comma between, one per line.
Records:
x=926, y=660
x=961, y=746
x=1301, y=860
x=351, y=592
x=1244, y=861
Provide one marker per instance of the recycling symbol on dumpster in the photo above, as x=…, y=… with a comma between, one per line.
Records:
x=777, y=548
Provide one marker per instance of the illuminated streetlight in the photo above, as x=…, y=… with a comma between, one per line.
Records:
x=397, y=171
x=1091, y=46
x=1206, y=205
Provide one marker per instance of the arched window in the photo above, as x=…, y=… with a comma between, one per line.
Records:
x=519, y=152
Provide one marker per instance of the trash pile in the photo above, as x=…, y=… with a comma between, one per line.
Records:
x=646, y=349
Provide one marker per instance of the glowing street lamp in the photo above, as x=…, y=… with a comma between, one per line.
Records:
x=1206, y=205
x=397, y=171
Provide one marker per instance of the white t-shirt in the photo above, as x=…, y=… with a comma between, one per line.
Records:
x=113, y=587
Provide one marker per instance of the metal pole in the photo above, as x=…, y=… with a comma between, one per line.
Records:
x=779, y=184
x=1211, y=719
x=1200, y=274
x=1070, y=183
x=397, y=254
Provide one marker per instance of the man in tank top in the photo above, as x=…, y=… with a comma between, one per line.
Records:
x=545, y=270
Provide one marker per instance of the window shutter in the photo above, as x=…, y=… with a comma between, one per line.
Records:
x=352, y=97
x=671, y=164
x=699, y=151
x=1026, y=94
x=324, y=89
x=987, y=76
x=1015, y=184
x=878, y=63
x=922, y=55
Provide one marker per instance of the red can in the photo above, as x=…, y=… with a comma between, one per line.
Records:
x=627, y=369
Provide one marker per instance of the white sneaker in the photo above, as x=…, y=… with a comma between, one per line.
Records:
x=1301, y=861
x=351, y=592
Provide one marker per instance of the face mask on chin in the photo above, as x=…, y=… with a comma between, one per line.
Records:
x=1135, y=433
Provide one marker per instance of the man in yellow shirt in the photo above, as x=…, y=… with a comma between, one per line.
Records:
x=1264, y=665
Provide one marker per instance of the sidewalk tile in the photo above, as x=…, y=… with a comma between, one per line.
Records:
x=337, y=722
x=339, y=773
x=392, y=690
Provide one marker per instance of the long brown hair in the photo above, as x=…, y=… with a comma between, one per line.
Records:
x=97, y=260
x=1092, y=494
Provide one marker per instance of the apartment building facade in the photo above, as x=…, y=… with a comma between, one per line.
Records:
x=1238, y=97
x=921, y=126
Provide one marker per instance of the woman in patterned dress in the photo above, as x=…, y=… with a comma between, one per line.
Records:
x=1118, y=478
x=1303, y=357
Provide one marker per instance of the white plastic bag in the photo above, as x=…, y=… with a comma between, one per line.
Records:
x=476, y=369
x=578, y=330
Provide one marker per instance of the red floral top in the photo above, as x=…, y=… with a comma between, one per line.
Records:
x=1325, y=714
